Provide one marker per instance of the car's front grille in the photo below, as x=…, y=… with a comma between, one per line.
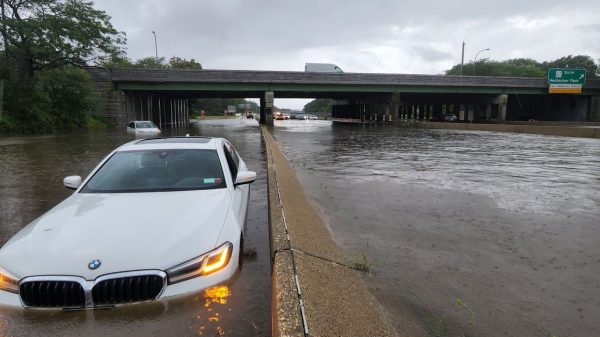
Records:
x=52, y=294
x=127, y=289
x=77, y=292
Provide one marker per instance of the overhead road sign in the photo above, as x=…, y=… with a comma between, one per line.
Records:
x=566, y=76
x=565, y=80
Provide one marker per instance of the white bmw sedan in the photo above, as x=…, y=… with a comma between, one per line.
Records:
x=156, y=218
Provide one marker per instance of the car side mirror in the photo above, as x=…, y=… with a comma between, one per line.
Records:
x=72, y=182
x=245, y=177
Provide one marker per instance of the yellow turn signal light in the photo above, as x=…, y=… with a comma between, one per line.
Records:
x=217, y=259
x=8, y=282
x=205, y=264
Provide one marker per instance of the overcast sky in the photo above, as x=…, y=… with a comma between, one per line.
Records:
x=387, y=36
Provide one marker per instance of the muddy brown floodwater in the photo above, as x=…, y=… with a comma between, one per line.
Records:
x=507, y=225
x=32, y=169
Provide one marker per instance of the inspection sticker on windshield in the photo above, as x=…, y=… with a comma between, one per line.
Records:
x=212, y=180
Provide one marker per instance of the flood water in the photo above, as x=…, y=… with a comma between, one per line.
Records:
x=31, y=183
x=506, y=224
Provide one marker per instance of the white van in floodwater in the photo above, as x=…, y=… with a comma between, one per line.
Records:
x=322, y=68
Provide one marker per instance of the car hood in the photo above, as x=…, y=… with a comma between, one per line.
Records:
x=125, y=231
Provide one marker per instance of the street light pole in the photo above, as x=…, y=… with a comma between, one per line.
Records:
x=462, y=59
x=155, y=47
x=475, y=61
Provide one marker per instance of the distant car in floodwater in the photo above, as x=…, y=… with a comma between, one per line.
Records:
x=450, y=117
x=156, y=218
x=145, y=127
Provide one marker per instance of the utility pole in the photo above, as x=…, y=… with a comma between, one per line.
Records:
x=462, y=59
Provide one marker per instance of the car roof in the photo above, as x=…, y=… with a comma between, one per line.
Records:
x=161, y=143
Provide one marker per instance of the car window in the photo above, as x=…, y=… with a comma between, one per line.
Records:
x=158, y=170
x=132, y=125
x=145, y=125
x=235, y=156
x=231, y=162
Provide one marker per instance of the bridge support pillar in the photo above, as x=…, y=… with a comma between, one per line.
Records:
x=594, y=109
x=502, y=101
x=394, y=107
x=266, y=108
x=470, y=113
x=461, y=112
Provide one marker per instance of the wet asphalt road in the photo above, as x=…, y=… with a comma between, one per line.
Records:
x=31, y=183
x=509, y=224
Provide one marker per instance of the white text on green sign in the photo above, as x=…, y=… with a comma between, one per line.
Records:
x=566, y=76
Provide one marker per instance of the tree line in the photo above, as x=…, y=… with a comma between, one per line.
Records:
x=318, y=105
x=525, y=67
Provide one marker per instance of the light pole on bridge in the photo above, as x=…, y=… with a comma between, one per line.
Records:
x=462, y=58
x=475, y=61
x=155, y=47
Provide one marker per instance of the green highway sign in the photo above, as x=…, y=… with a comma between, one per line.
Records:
x=566, y=76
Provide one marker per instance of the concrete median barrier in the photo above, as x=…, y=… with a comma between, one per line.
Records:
x=315, y=293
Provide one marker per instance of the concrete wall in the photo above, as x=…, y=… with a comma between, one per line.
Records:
x=112, y=102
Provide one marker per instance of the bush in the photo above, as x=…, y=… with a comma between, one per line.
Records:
x=97, y=123
x=7, y=124
x=59, y=100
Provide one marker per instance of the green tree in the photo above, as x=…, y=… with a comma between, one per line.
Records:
x=578, y=61
x=318, y=105
x=181, y=63
x=519, y=68
x=39, y=36
x=523, y=67
x=116, y=61
x=49, y=34
x=63, y=98
x=150, y=62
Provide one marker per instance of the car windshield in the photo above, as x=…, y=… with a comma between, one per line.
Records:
x=158, y=170
x=145, y=125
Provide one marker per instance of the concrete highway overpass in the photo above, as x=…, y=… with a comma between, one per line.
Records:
x=162, y=95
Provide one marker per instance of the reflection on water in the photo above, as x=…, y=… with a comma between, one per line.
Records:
x=31, y=183
x=214, y=299
x=217, y=295
x=524, y=170
x=508, y=223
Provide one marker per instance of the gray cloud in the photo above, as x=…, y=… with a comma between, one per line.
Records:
x=376, y=36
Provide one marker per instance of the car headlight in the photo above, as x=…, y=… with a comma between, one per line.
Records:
x=8, y=282
x=205, y=264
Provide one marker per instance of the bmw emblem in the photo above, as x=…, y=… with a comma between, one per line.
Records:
x=94, y=264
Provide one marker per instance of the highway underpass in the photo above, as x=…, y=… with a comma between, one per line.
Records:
x=162, y=95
